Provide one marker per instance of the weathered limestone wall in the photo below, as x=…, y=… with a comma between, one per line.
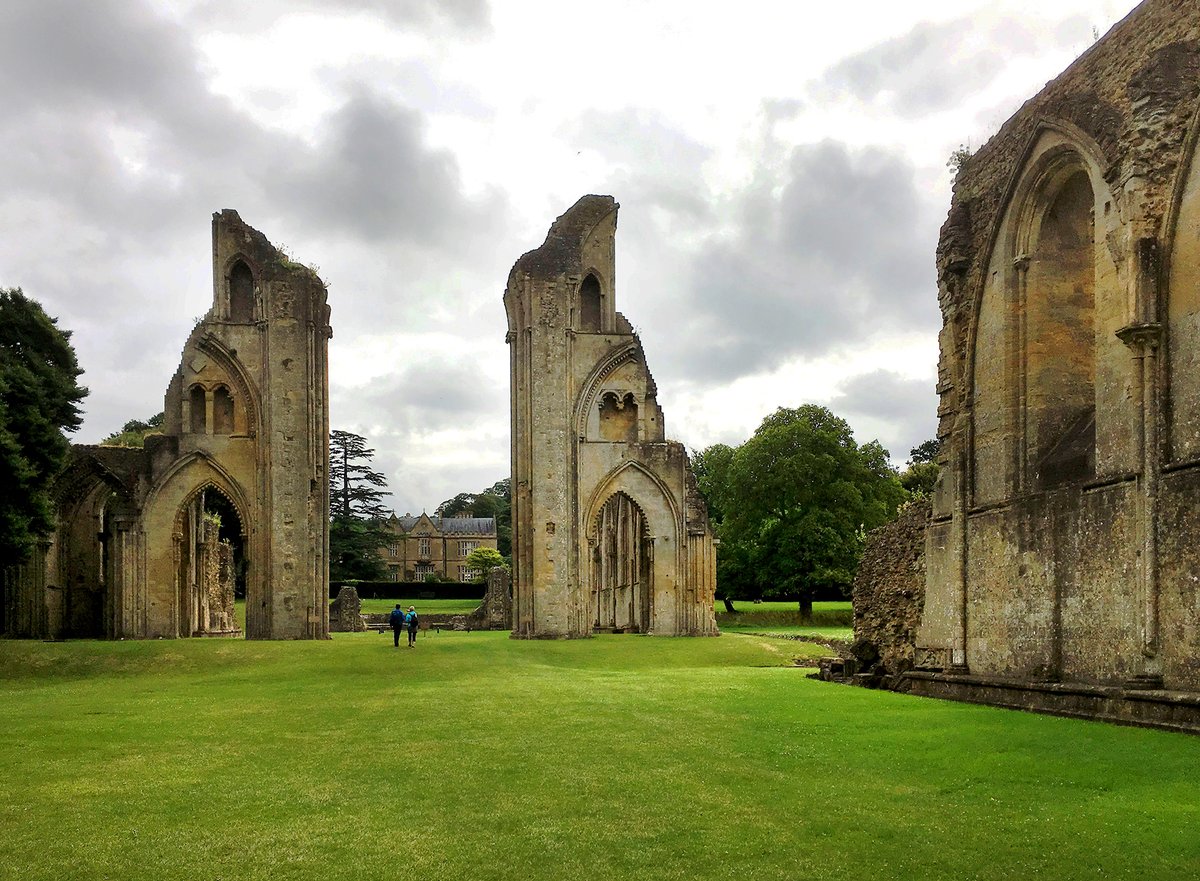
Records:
x=246, y=420
x=605, y=534
x=496, y=609
x=345, y=612
x=1063, y=542
x=889, y=592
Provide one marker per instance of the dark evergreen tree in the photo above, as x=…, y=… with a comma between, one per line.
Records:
x=39, y=400
x=356, y=530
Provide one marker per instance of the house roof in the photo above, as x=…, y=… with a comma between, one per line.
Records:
x=451, y=525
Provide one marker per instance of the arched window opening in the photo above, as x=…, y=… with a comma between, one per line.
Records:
x=198, y=407
x=589, y=305
x=618, y=417
x=621, y=556
x=212, y=564
x=1060, y=358
x=222, y=411
x=241, y=293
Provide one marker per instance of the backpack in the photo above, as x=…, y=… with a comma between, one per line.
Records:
x=396, y=618
x=412, y=620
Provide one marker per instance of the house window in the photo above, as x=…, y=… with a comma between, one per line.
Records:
x=466, y=575
x=394, y=573
x=465, y=547
x=392, y=551
x=422, y=570
x=422, y=547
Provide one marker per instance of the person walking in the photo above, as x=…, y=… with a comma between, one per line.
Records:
x=413, y=623
x=396, y=622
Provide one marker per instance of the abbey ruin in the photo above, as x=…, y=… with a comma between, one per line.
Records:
x=609, y=530
x=1064, y=543
x=232, y=496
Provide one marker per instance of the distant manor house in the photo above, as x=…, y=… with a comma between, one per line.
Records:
x=232, y=497
x=1064, y=550
x=424, y=546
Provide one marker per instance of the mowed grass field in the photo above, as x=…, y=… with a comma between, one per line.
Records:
x=475, y=756
x=830, y=620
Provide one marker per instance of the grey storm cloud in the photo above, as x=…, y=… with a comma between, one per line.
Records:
x=425, y=397
x=372, y=176
x=905, y=408
x=937, y=65
x=117, y=153
x=834, y=248
x=470, y=16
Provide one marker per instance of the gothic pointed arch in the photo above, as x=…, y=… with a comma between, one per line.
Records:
x=590, y=390
x=243, y=389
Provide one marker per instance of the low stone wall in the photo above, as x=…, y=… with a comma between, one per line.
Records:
x=889, y=595
x=1156, y=708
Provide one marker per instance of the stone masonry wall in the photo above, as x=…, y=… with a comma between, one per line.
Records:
x=889, y=592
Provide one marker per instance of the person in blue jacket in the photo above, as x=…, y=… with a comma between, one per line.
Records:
x=396, y=622
x=413, y=623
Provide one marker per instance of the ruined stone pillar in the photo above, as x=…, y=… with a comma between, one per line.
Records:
x=1144, y=341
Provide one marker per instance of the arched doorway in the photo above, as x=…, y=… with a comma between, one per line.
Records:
x=211, y=564
x=621, y=572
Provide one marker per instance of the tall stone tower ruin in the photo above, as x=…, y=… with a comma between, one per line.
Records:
x=609, y=530
x=232, y=496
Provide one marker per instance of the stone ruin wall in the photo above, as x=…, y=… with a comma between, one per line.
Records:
x=1063, y=555
x=216, y=583
x=246, y=417
x=889, y=594
x=608, y=534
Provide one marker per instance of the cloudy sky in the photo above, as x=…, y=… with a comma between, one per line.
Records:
x=781, y=169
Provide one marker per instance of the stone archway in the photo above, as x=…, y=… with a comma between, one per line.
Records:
x=210, y=563
x=622, y=576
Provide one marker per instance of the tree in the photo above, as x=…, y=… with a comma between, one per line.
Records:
x=495, y=501
x=711, y=468
x=482, y=560
x=799, y=498
x=923, y=469
x=926, y=451
x=356, y=530
x=39, y=400
x=134, y=432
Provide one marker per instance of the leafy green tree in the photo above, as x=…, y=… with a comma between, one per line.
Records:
x=800, y=497
x=356, y=530
x=482, y=560
x=923, y=469
x=926, y=451
x=133, y=433
x=495, y=501
x=39, y=400
x=711, y=467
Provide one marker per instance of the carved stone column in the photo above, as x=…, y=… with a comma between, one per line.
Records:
x=1143, y=341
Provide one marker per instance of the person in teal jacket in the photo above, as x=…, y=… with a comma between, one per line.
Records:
x=413, y=623
x=396, y=622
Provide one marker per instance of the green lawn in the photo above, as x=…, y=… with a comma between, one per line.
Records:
x=476, y=756
x=830, y=620
x=424, y=607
